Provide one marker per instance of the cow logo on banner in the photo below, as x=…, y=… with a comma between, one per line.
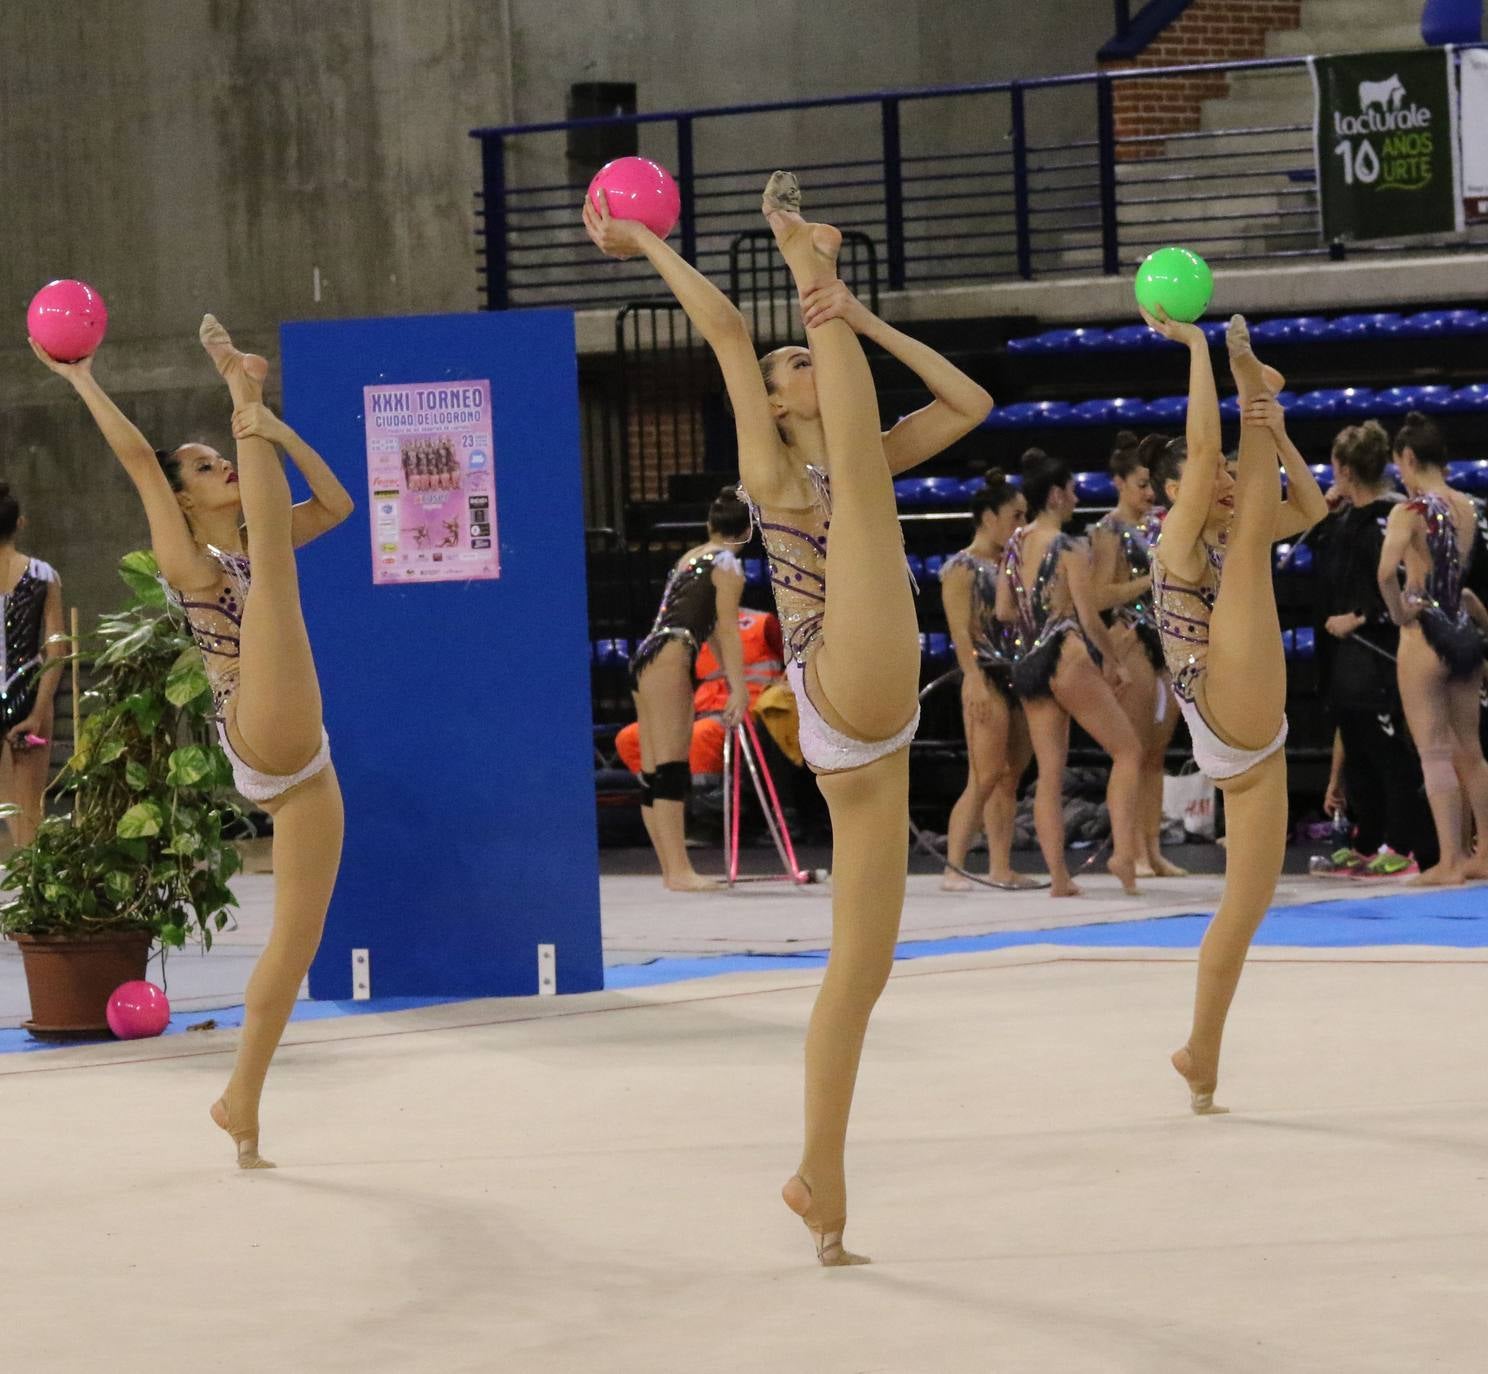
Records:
x=1386, y=144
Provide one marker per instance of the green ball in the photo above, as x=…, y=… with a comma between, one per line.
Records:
x=1177, y=280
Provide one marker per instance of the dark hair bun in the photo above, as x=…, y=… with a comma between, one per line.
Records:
x=728, y=493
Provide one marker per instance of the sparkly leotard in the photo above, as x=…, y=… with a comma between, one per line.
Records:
x=689, y=608
x=23, y=610
x=1135, y=543
x=796, y=543
x=1041, y=629
x=1183, y=613
x=215, y=618
x=992, y=640
x=1445, y=624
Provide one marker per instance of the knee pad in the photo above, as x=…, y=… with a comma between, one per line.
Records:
x=671, y=781
x=1437, y=770
x=646, y=780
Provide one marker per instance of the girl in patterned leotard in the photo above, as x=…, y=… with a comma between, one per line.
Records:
x=1216, y=609
x=246, y=620
x=1121, y=587
x=1066, y=667
x=812, y=457
x=997, y=745
x=1440, y=665
x=30, y=634
x=701, y=602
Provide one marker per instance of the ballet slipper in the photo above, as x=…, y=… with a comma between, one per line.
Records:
x=1160, y=867
x=225, y=356
x=830, y=1252
x=691, y=882
x=1245, y=367
x=1014, y=882
x=246, y=1141
x=810, y=250
x=951, y=881
x=1125, y=870
x=1201, y=1098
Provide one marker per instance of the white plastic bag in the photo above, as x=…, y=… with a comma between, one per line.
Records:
x=1189, y=798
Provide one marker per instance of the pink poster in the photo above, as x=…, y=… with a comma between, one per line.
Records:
x=432, y=481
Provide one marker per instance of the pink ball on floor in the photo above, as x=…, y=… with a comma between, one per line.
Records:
x=639, y=189
x=68, y=319
x=138, y=1010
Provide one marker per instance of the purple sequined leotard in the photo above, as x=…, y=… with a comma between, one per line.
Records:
x=214, y=616
x=1443, y=621
x=1183, y=614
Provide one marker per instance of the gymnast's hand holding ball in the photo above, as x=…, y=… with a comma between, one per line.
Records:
x=614, y=237
x=1176, y=330
x=72, y=371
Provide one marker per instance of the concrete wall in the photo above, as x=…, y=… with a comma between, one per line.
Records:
x=186, y=155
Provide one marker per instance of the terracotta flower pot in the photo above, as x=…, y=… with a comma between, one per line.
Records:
x=70, y=978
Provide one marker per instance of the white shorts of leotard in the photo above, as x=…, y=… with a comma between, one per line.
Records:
x=266, y=787
x=1219, y=760
x=830, y=751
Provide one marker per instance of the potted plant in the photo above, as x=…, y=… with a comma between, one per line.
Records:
x=141, y=857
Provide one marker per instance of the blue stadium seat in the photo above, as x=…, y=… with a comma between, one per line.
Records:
x=908, y=491
x=941, y=491
x=1358, y=401
x=1089, y=338
x=1006, y=417
x=1436, y=400
x=1129, y=410
x=609, y=653
x=1467, y=321
x=1396, y=400
x=1368, y=325
x=1229, y=407
x=1292, y=558
x=933, y=564
x=1304, y=641
x=971, y=486
x=1168, y=410
x=1471, y=476
x=935, y=647
x=1472, y=398
x=1316, y=404
x=1214, y=331
x=1054, y=340
x=1323, y=472
x=1134, y=336
x=916, y=567
x=1024, y=344
x=756, y=573
x=1051, y=412
x=1095, y=489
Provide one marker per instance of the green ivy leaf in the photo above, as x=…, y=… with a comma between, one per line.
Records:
x=109, y=751
x=125, y=646
x=139, y=572
x=183, y=687
x=189, y=766
x=136, y=775
x=186, y=843
x=143, y=819
x=147, y=709
x=118, y=885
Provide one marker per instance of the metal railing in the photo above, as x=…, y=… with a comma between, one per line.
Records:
x=951, y=184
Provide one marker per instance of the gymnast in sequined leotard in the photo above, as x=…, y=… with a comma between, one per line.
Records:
x=1440, y=663
x=1216, y=610
x=1066, y=666
x=997, y=745
x=246, y=619
x=847, y=610
x=1121, y=586
x=30, y=629
x=700, y=602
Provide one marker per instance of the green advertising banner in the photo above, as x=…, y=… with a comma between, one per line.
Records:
x=1386, y=144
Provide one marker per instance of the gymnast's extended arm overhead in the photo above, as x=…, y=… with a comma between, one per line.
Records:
x=329, y=504
x=960, y=404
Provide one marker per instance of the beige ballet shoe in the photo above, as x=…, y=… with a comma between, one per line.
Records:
x=246, y=1141
x=830, y=1252
x=1200, y=1103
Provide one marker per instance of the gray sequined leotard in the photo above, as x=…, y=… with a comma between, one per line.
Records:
x=992, y=640
x=1135, y=543
x=1041, y=627
x=689, y=608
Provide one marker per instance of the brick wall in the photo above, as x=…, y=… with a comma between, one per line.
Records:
x=1207, y=31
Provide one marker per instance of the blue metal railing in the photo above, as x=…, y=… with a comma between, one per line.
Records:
x=992, y=201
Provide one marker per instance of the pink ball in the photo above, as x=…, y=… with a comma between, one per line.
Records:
x=68, y=319
x=138, y=1010
x=639, y=189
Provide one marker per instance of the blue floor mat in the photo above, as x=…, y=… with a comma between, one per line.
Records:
x=1456, y=919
